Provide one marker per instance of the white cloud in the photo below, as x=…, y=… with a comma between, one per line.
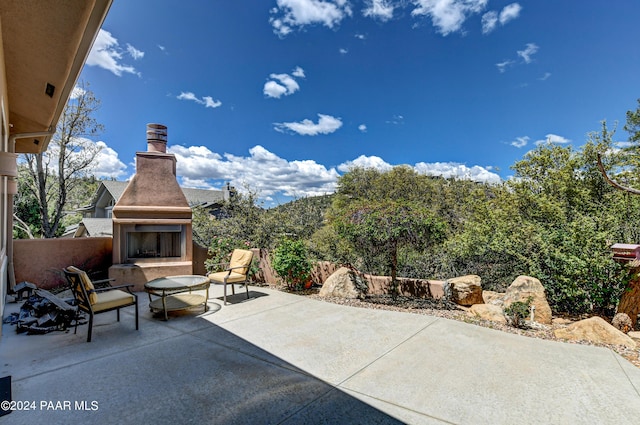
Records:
x=447, y=15
x=291, y=14
x=343, y=51
x=491, y=19
x=489, y=22
x=510, y=12
x=379, y=9
x=107, y=54
x=135, y=53
x=502, y=66
x=396, y=120
x=207, y=101
x=107, y=165
x=326, y=125
x=545, y=76
x=552, y=138
x=263, y=171
x=360, y=36
x=529, y=50
x=457, y=171
x=283, y=84
x=520, y=142
x=365, y=162
x=298, y=72
x=442, y=169
x=270, y=175
x=77, y=92
x=362, y=128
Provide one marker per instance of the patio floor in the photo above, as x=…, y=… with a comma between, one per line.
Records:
x=279, y=358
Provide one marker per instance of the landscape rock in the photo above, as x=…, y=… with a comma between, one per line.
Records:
x=492, y=297
x=524, y=287
x=595, y=329
x=634, y=335
x=343, y=283
x=622, y=322
x=561, y=321
x=466, y=290
x=490, y=312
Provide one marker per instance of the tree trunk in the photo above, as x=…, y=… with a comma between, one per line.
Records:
x=630, y=301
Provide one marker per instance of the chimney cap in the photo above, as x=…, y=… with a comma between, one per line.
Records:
x=156, y=138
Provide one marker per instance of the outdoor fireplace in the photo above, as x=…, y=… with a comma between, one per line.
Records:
x=152, y=219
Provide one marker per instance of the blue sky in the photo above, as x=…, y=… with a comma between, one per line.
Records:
x=283, y=96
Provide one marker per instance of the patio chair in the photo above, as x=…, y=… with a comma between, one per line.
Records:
x=237, y=271
x=94, y=300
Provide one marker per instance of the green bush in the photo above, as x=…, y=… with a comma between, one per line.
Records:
x=290, y=260
x=518, y=311
x=220, y=252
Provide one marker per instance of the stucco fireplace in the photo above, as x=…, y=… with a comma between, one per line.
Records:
x=152, y=219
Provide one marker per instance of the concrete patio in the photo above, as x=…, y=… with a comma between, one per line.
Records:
x=279, y=358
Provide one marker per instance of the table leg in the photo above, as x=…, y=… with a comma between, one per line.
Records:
x=164, y=306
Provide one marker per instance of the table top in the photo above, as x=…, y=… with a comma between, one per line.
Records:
x=177, y=282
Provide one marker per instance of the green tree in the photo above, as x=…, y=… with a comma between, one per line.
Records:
x=51, y=176
x=380, y=213
x=555, y=221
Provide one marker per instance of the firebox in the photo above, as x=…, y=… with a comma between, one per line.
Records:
x=154, y=242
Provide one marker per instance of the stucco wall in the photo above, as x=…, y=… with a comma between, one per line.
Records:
x=40, y=261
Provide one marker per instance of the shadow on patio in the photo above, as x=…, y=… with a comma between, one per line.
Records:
x=186, y=370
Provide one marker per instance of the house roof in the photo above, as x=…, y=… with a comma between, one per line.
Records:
x=95, y=227
x=204, y=197
x=45, y=46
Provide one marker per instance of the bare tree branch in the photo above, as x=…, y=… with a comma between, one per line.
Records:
x=612, y=182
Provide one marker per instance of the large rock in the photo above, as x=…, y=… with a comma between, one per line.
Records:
x=492, y=297
x=466, y=290
x=524, y=287
x=343, y=283
x=489, y=312
x=595, y=329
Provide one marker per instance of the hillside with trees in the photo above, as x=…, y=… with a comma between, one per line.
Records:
x=556, y=220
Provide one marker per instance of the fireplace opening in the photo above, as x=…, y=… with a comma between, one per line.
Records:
x=154, y=242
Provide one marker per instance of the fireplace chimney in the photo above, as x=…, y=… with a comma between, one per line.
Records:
x=152, y=227
x=157, y=138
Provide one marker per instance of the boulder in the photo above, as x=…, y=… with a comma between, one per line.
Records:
x=343, y=283
x=466, y=290
x=495, y=298
x=595, y=329
x=524, y=287
x=634, y=335
x=622, y=322
x=489, y=312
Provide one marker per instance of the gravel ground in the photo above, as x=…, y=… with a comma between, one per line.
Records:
x=452, y=311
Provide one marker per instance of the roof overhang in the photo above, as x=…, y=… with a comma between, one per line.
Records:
x=46, y=44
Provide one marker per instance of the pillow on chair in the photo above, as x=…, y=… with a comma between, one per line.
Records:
x=240, y=257
x=88, y=285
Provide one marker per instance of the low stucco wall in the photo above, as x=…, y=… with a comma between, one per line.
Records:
x=378, y=285
x=40, y=261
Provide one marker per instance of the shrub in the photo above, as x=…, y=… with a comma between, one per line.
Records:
x=518, y=311
x=220, y=252
x=290, y=260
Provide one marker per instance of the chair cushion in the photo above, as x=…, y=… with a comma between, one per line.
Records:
x=240, y=258
x=88, y=285
x=111, y=299
x=233, y=277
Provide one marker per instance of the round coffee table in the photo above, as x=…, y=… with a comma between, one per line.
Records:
x=176, y=293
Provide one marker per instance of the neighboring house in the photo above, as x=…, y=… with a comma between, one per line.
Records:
x=97, y=216
x=43, y=47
